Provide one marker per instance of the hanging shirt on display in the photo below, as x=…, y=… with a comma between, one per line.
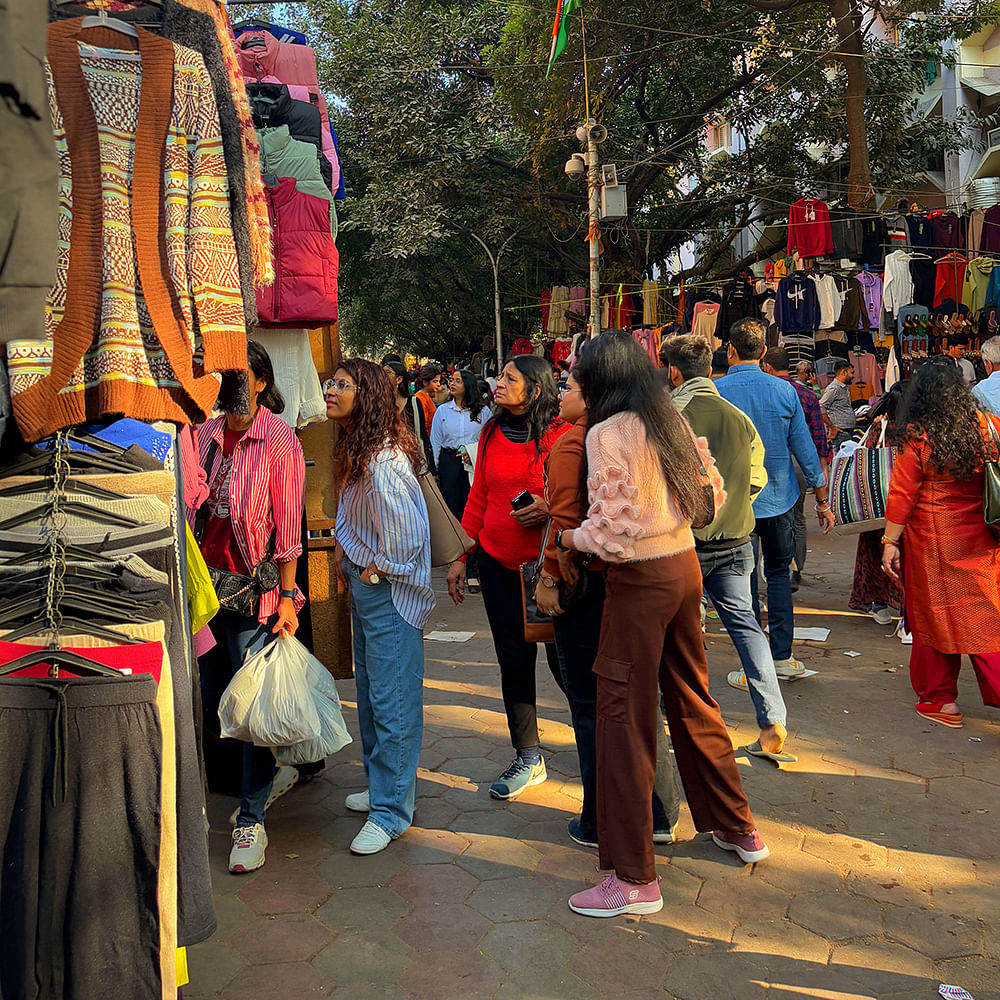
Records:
x=950, y=278
x=847, y=235
x=830, y=299
x=871, y=294
x=990, y=240
x=874, y=237
x=897, y=288
x=923, y=272
x=796, y=305
x=947, y=227
x=976, y=282
x=809, y=228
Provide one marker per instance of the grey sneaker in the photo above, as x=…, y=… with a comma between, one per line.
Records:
x=518, y=776
x=668, y=835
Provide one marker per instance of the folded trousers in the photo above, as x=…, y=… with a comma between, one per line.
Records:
x=651, y=635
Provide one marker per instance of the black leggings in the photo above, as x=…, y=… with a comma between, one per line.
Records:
x=502, y=597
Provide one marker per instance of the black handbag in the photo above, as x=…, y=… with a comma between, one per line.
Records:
x=238, y=592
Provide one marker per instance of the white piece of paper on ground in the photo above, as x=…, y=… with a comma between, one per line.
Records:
x=955, y=992
x=802, y=634
x=450, y=636
x=800, y=677
x=851, y=652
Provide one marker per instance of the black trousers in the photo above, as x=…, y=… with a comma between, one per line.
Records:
x=80, y=836
x=502, y=597
x=578, y=635
x=454, y=482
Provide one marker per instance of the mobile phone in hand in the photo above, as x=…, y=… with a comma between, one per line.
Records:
x=522, y=500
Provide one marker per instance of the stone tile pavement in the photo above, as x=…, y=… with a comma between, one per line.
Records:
x=884, y=877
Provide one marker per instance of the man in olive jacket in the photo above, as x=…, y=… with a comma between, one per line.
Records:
x=723, y=546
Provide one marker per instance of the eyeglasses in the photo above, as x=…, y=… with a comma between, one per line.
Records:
x=565, y=390
x=340, y=384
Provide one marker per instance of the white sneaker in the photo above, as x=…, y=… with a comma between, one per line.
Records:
x=370, y=840
x=882, y=615
x=789, y=668
x=906, y=638
x=284, y=778
x=738, y=680
x=247, y=854
x=358, y=802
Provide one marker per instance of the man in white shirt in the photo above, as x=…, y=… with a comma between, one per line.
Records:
x=957, y=347
x=987, y=393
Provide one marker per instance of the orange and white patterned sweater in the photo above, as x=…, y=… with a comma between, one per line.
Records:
x=146, y=302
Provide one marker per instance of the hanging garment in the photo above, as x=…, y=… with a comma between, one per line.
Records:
x=650, y=303
x=705, y=322
x=866, y=372
x=897, y=288
x=830, y=299
x=649, y=341
x=295, y=376
x=809, y=228
x=950, y=278
x=280, y=32
x=976, y=282
x=271, y=106
x=578, y=302
x=990, y=240
x=947, y=227
x=306, y=260
x=847, y=234
x=261, y=54
x=874, y=237
x=693, y=299
x=738, y=302
x=871, y=300
x=562, y=351
x=796, y=304
x=923, y=272
x=284, y=156
x=993, y=288
x=28, y=175
x=897, y=231
x=921, y=231
x=558, y=306
x=623, y=310
x=974, y=229
x=253, y=187
x=544, y=301
x=163, y=296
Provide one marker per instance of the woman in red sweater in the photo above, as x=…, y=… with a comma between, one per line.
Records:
x=511, y=459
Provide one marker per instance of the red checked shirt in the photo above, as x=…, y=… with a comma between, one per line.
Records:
x=266, y=491
x=814, y=417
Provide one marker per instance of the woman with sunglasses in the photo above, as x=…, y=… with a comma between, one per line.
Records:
x=383, y=554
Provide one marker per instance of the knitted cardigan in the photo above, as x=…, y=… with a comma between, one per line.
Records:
x=194, y=30
x=139, y=313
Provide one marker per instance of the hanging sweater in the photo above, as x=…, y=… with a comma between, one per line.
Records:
x=796, y=307
x=809, y=229
x=147, y=297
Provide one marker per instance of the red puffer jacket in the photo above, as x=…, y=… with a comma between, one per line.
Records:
x=304, y=292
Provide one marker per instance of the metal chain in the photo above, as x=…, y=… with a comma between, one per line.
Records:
x=54, y=528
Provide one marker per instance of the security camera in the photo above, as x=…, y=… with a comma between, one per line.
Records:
x=576, y=165
x=598, y=133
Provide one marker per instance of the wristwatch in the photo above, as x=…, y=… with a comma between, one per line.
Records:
x=559, y=544
x=290, y=594
x=548, y=581
x=373, y=579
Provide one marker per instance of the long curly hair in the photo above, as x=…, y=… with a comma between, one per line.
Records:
x=939, y=408
x=375, y=424
x=616, y=376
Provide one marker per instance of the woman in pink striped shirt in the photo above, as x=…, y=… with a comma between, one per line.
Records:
x=256, y=478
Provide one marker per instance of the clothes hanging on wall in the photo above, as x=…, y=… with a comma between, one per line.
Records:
x=809, y=230
x=796, y=304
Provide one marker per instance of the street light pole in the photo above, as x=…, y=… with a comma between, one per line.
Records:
x=495, y=261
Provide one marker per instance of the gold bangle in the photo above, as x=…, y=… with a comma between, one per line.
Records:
x=889, y=541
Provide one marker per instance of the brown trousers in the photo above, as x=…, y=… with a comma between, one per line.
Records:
x=651, y=636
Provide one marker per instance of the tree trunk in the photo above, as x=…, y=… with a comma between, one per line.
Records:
x=850, y=43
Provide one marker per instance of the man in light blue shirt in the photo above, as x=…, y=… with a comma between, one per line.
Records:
x=773, y=406
x=987, y=393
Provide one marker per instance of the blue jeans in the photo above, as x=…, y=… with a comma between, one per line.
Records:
x=726, y=578
x=241, y=636
x=389, y=675
x=578, y=632
x=775, y=537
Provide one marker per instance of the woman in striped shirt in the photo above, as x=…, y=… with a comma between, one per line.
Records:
x=256, y=478
x=383, y=551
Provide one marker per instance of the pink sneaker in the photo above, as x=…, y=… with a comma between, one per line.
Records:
x=613, y=897
x=749, y=846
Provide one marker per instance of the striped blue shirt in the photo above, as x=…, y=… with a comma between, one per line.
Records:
x=383, y=519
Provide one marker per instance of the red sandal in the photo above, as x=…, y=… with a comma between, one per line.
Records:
x=932, y=710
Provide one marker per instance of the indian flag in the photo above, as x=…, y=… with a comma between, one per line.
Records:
x=560, y=29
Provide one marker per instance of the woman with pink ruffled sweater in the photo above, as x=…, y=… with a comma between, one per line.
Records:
x=645, y=486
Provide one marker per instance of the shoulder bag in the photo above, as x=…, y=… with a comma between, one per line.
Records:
x=537, y=627
x=859, y=485
x=991, y=478
x=238, y=592
x=448, y=538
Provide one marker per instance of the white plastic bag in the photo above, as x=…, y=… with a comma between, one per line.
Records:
x=333, y=735
x=268, y=701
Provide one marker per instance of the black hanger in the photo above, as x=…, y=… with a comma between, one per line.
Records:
x=77, y=626
x=74, y=599
x=77, y=486
x=59, y=657
x=82, y=461
x=85, y=511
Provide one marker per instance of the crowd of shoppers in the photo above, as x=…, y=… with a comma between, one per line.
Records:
x=643, y=495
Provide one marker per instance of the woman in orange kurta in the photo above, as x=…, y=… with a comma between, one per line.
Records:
x=951, y=582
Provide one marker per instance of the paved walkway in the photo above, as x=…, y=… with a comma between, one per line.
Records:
x=883, y=880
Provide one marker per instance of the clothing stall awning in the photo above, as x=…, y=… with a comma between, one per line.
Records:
x=988, y=166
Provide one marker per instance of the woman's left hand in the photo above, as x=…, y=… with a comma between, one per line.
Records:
x=288, y=620
x=535, y=513
x=890, y=562
x=547, y=599
x=369, y=572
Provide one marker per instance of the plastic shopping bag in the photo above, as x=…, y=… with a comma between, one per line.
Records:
x=268, y=701
x=333, y=735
